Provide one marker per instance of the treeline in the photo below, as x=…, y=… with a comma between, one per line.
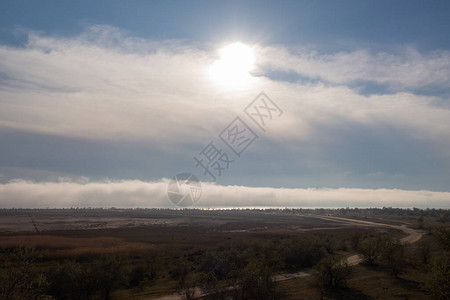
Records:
x=25, y=274
x=246, y=266
x=249, y=267
x=434, y=212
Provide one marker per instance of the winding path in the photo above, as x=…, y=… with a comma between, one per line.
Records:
x=412, y=237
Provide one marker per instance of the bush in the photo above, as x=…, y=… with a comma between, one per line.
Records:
x=442, y=235
x=256, y=282
x=137, y=275
x=333, y=272
x=73, y=280
x=18, y=278
x=438, y=283
x=355, y=240
x=370, y=250
x=300, y=253
x=424, y=252
x=393, y=253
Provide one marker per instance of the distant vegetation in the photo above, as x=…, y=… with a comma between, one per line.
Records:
x=236, y=258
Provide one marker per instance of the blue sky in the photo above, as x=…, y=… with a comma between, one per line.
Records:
x=96, y=94
x=327, y=24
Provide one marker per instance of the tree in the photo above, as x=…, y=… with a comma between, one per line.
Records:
x=137, y=275
x=256, y=282
x=209, y=284
x=18, y=277
x=151, y=265
x=181, y=272
x=300, y=253
x=438, y=283
x=420, y=222
x=424, y=251
x=393, y=253
x=370, y=249
x=72, y=280
x=355, y=240
x=334, y=272
x=442, y=235
x=110, y=272
x=328, y=245
x=188, y=293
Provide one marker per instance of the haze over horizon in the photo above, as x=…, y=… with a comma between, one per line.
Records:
x=102, y=103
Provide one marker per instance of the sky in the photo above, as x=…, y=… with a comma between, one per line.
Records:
x=103, y=102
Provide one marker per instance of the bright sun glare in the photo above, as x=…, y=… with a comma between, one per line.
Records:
x=233, y=67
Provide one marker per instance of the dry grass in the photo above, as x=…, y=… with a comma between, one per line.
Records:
x=57, y=246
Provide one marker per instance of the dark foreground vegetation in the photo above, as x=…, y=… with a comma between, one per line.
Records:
x=234, y=254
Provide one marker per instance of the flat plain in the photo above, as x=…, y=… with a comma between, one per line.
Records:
x=156, y=242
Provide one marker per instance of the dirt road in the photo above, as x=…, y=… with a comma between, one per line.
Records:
x=412, y=237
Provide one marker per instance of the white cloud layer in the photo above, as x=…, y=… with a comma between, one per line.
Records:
x=105, y=85
x=135, y=193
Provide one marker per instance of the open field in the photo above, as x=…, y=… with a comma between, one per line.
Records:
x=163, y=252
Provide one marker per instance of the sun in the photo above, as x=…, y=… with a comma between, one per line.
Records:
x=233, y=67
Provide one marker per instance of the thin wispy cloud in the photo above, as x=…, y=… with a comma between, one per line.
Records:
x=405, y=70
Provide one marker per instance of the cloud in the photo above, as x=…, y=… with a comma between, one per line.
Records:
x=135, y=193
x=106, y=104
x=104, y=84
x=407, y=70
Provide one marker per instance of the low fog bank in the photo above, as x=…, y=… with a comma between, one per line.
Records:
x=136, y=193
